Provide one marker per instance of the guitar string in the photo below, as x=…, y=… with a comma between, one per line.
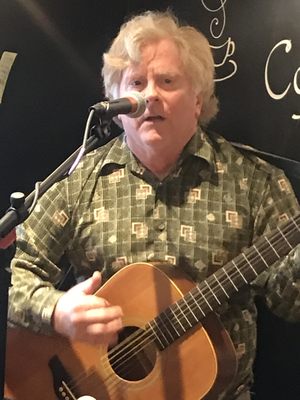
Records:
x=186, y=306
x=218, y=284
x=171, y=335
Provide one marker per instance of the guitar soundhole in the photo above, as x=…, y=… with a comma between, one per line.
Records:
x=133, y=358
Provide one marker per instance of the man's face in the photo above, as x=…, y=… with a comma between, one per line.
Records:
x=172, y=109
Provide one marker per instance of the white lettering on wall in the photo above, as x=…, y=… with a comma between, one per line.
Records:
x=215, y=21
x=217, y=27
x=229, y=45
x=287, y=43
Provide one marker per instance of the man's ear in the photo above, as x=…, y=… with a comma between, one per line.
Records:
x=198, y=105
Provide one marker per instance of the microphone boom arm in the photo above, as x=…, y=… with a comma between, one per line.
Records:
x=13, y=217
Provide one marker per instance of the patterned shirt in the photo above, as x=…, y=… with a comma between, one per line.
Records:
x=112, y=212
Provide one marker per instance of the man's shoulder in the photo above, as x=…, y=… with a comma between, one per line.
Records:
x=241, y=155
x=258, y=158
x=95, y=159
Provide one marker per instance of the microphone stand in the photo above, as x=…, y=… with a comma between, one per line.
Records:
x=18, y=212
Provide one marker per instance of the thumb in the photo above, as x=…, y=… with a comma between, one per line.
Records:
x=90, y=285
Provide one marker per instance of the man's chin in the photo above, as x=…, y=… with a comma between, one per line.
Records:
x=152, y=136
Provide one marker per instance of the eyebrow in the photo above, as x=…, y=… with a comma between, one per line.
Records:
x=134, y=75
x=137, y=75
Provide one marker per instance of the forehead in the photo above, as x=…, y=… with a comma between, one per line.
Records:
x=162, y=55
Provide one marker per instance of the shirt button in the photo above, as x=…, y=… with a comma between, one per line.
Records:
x=161, y=226
x=150, y=257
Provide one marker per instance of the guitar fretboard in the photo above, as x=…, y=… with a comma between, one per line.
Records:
x=208, y=295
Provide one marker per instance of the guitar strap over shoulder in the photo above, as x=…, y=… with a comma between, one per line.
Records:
x=289, y=166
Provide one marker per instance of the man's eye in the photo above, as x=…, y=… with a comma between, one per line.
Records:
x=136, y=83
x=168, y=80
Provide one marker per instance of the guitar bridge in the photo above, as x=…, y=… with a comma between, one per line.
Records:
x=61, y=380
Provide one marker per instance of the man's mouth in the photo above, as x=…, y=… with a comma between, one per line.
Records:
x=154, y=118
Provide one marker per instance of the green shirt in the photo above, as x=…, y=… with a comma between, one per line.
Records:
x=112, y=212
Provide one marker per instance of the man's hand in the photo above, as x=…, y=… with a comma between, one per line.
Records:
x=80, y=315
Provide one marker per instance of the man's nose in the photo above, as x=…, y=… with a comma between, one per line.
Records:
x=151, y=93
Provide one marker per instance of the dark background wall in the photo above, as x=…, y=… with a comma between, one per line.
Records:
x=56, y=77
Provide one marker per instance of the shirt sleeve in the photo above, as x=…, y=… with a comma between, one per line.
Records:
x=280, y=284
x=41, y=241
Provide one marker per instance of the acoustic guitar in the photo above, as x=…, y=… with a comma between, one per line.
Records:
x=173, y=346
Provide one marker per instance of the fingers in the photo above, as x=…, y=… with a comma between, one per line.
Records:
x=90, y=285
x=104, y=333
x=89, y=302
x=98, y=314
x=98, y=325
x=81, y=315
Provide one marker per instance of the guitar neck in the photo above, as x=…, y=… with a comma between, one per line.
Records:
x=208, y=295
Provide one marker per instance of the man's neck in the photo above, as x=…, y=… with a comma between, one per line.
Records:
x=161, y=164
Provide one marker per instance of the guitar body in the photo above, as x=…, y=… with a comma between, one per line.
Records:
x=198, y=365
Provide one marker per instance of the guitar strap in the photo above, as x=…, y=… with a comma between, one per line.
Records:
x=289, y=166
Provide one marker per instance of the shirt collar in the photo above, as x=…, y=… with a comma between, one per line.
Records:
x=119, y=155
x=199, y=146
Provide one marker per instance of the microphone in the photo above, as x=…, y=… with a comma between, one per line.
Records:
x=133, y=104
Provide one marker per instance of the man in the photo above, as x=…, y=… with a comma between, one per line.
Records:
x=164, y=190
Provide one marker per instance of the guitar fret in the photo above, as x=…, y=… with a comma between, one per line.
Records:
x=295, y=224
x=212, y=292
x=204, y=298
x=189, y=308
x=285, y=238
x=166, y=330
x=233, y=262
x=256, y=274
x=272, y=246
x=185, y=317
x=178, y=320
x=226, y=294
x=258, y=252
x=157, y=337
x=231, y=281
x=198, y=305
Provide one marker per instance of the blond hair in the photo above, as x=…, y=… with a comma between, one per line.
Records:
x=152, y=26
